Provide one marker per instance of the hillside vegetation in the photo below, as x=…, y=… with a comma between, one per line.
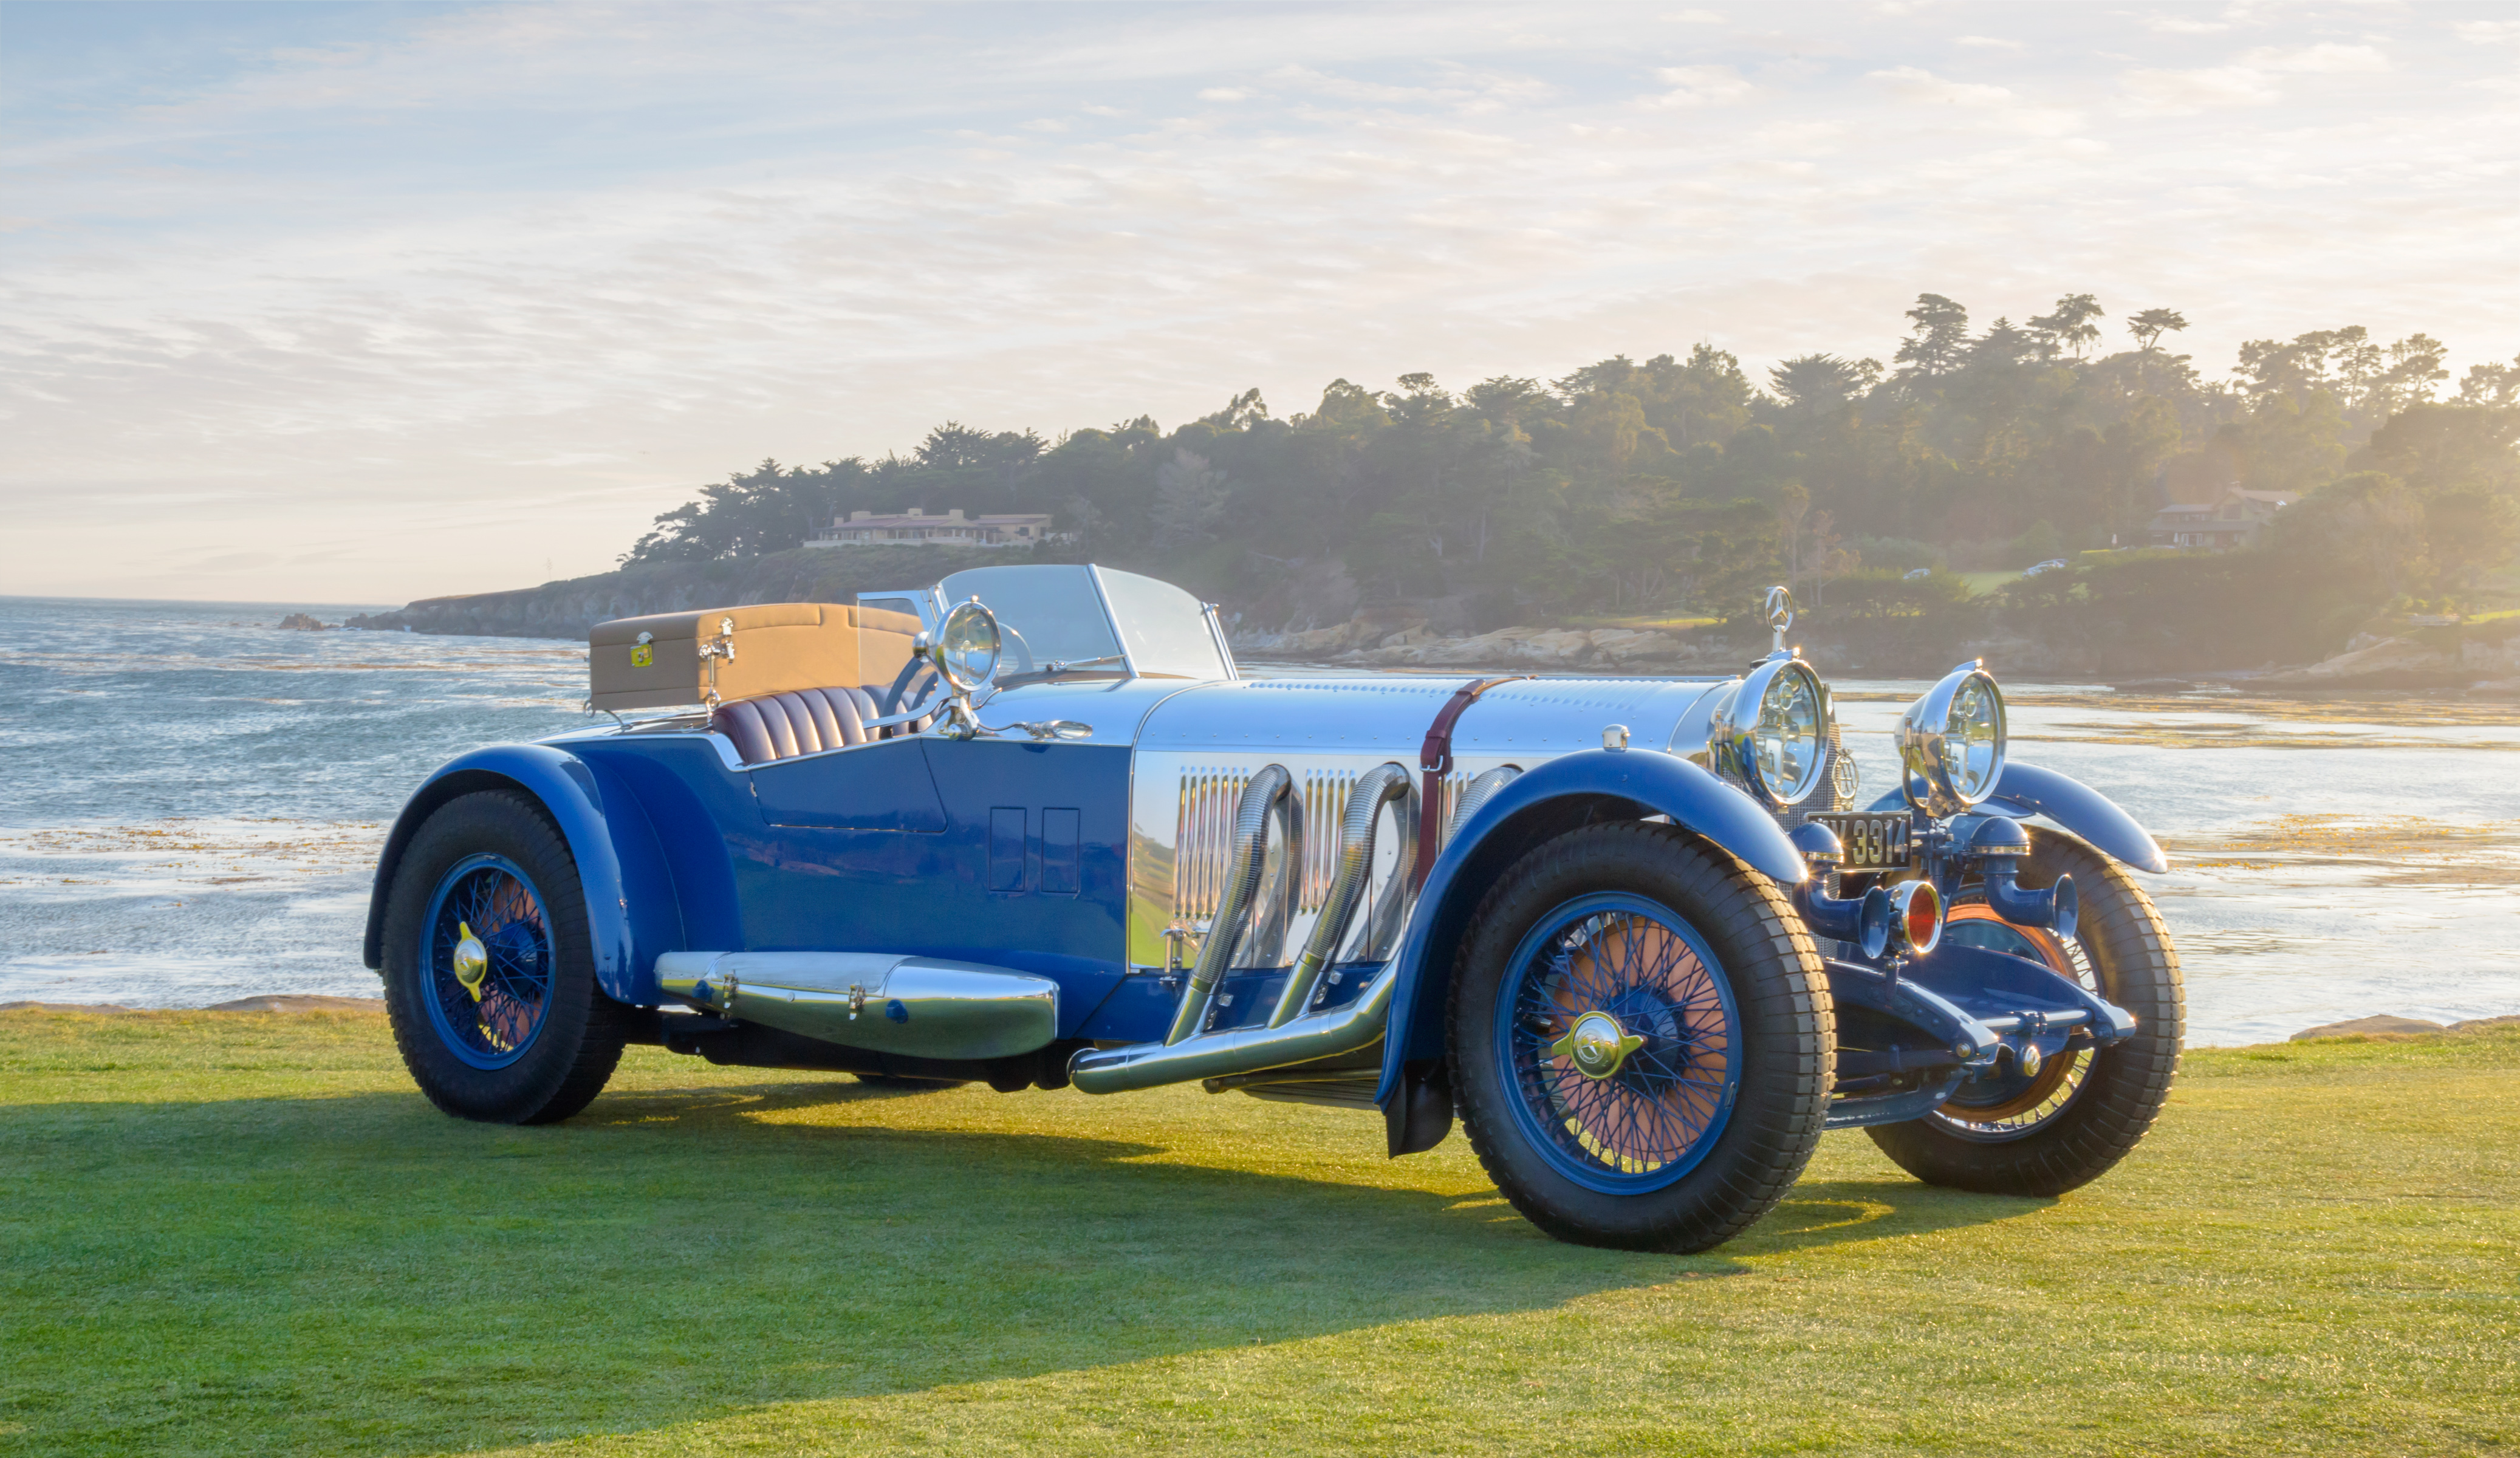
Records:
x=1677, y=485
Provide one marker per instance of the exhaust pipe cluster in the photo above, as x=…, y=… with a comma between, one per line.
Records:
x=1290, y=1035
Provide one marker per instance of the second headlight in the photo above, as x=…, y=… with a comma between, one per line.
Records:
x=1951, y=742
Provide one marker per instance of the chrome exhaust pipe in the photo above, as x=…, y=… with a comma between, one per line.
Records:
x=1242, y=883
x=1479, y=793
x=1286, y=1038
x=1240, y=1050
x=1385, y=784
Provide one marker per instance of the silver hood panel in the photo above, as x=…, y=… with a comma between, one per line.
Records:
x=1389, y=715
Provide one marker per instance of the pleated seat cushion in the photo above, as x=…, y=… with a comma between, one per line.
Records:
x=808, y=721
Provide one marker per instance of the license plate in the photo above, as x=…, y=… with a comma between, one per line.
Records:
x=1873, y=842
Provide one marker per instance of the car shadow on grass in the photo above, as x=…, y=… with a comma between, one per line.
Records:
x=361, y=1272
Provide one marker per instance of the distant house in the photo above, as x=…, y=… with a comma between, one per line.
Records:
x=952, y=529
x=2235, y=519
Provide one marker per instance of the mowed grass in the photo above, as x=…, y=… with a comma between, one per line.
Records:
x=241, y=1233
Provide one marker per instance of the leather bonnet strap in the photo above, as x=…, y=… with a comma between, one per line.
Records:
x=1434, y=762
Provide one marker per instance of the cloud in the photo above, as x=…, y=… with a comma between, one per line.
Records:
x=551, y=265
x=1694, y=18
x=1997, y=105
x=1989, y=43
x=2181, y=24
x=2328, y=59
x=1044, y=125
x=2487, y=32
x=1920, y=85
x=2181, y=93
x=1226, y=93
x=2252, y=82
x=1698, y=87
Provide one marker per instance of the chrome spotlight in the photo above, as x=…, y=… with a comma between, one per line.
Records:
x=1952, y=740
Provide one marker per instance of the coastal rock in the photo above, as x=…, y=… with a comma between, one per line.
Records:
x=2383, y=1025
x=1532, y=648
x=298, y=1002
x=2391, y=662
x=303, y=623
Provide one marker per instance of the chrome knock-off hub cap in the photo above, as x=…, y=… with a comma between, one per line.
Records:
x=471, y=961
x=1596, y=1044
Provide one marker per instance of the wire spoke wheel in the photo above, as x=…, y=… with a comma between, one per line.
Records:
x=2084, y=1109
x=489, y=967
x=1641, y=1038
x=2014, y=1105
x=489, y=957
x=1623, y=1041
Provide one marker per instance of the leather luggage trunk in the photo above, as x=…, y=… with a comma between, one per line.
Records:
x=744, y=652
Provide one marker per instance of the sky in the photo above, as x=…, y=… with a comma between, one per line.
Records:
x=360, y=303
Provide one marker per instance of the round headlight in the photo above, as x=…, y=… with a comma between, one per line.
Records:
x=1951, y=742
x=1772, y=736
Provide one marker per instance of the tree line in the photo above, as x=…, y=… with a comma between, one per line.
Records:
x=1678, y=483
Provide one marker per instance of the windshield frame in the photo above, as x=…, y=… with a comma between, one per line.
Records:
x=1126, y=663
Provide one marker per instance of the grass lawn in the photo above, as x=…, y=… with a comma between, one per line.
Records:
x=246, y=1233
x=1982, y=583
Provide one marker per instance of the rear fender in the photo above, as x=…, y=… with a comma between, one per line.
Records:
x=631, y=910
x=2026, y=789
x=1552, y=798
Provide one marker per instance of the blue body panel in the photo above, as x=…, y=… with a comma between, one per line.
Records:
x=1554, y=797
x=1015, y=856
x=2026, y=789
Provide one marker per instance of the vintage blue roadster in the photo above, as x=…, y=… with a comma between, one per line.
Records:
x=1030, y=826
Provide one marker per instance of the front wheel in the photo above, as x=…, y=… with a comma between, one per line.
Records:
x=2084, y=1109
x=1643, y=1039
x=489, y=969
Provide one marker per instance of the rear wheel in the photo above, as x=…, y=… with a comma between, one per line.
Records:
x=2084, y=1109
x=1643, y=1039
x=489, y=970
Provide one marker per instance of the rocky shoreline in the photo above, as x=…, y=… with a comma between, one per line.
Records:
x=1383, y=640
x=1438, y=635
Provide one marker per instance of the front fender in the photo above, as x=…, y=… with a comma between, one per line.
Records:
x=631, y=909
x=1568, y=792
x=2026, y=789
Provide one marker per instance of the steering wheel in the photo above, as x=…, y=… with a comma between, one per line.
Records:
x=903, y=685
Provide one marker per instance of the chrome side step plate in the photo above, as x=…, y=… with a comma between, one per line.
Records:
x=889, y=1002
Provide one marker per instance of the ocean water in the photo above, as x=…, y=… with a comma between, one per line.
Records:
x=194, y=798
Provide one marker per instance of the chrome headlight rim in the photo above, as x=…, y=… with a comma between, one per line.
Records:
x=1924, y=741
x=1732, y=733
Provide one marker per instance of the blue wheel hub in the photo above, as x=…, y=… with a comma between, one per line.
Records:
x=1617, y=1029
x=486, y=957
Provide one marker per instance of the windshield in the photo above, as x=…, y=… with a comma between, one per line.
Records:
x=1047, y=615
x=1166, y=628
x=1055, y=614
